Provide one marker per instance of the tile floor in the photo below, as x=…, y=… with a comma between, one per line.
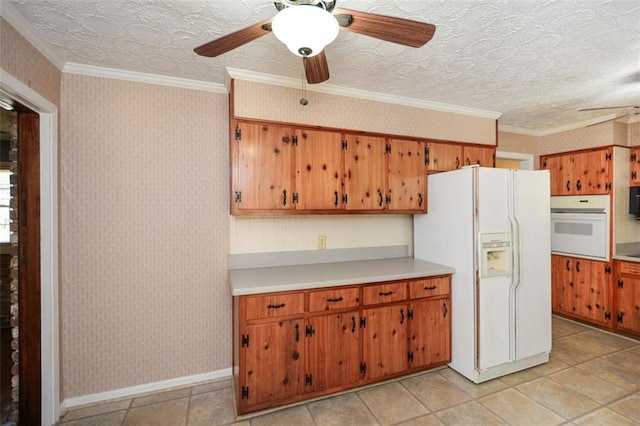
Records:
x=592, y=378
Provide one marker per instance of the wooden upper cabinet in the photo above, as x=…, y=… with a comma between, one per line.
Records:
x=364, y=169
x=442, y=157
x=407, y=175
x=634, y=167
x=261, y=164
x=319, y=170
x=483, y=156
x=581, y=172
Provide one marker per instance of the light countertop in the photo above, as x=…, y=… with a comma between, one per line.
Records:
x=247, y=281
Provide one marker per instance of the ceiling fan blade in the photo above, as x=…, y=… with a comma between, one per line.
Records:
x=316, y=68
x=231, y=41
x=388, y=28
x=611, y=107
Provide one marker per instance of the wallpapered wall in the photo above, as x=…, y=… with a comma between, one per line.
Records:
x=144, y=234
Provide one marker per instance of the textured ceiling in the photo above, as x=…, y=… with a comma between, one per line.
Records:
x=535, y=61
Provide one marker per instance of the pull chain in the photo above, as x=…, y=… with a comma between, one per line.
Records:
x=304, y=101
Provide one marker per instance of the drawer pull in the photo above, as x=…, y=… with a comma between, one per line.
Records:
x=353, y=324
x=297, y=333
x=401, y=316
x=432, y=287
x=337, y=299
x=387, y=293
x=444, y=310
x=272, y=306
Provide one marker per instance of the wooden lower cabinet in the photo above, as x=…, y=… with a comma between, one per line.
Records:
x=627, y=295
x=337, y=338
x=581, y=289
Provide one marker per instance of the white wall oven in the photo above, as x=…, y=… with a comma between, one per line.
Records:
x=580, y=226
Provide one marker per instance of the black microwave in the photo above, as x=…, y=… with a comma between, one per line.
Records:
x=634, y=201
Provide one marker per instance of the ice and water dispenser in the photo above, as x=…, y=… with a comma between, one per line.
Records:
x=495, y=254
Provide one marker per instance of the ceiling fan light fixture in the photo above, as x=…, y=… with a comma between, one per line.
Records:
x=305, y=29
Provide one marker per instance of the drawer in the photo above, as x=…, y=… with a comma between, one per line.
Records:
x=337, y=298
x=384, y=293
x=274, y=305
x=631, y=268
x=429, y=287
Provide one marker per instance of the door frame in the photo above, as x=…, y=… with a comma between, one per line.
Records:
x=50, y=339
x=526, y=160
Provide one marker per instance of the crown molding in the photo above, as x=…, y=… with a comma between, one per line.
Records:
x=9, y=13
x=559, y=129
x=331, y=89
x=117, y=74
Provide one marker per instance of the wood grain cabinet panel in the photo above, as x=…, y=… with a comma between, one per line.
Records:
x=384, y=293
x=634, y=166
x=430, y=336
x=274, y=305
x=336, y=298
x=482, y=156
x=429, y=287
x=407, y=176
x=365, y=175
x=580, y=172
x=627, y=297
x=384, y=341
x=442, y=157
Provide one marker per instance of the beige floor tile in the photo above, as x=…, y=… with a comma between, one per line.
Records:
x=212, y=408
x=610, y=339
x=561, y=399
x=161, y=396
x=167, y=413
x=589, y=385
x=428, y=420
x=552, y=366
x=108, y=419
x=614, y=373
x=470, y=413
x=211, y=386
x=587, y=343
x=517, y=409
x=298, y=416
x=474, y=389
x=94, y=410
x=628, y=407
x=604, y=417
x=392, y=403
x=434, y=391
x=519, y=377
x=628, y=359
x=568, y=354
x=561, y=327
x=341, y=410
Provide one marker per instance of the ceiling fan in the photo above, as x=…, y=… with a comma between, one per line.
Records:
x=307, y=26
x=633, y=113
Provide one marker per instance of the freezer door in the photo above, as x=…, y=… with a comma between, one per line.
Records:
x=533, y=301
x=495, y=338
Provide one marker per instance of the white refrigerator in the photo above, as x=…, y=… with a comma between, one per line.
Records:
x=493, y=227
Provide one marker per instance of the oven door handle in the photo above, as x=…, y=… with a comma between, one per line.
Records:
x=590, y=217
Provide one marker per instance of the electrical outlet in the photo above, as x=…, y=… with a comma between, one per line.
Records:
x=322, y=242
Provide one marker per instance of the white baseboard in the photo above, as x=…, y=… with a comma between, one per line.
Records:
x=142, y=389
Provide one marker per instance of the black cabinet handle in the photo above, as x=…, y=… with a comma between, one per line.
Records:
x=457, y=163
x=272, y=306
x=388, y=293
x=578, y=266
x=337, y=299
x=578, y=185
x=420, y=197
x=568, y=265
x=467, y=161
x=284, y=197
x=444, y=310
x=336, y=201
x=401, y=316
x=433, y=287
x=380, y=200
x=568, y=185
x=297, y=333
x=353, y=324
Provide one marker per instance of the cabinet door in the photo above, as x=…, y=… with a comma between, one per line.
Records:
x=562, y=287
x=365, y=172
x=407, y=176
x=634, y=167
x=319, y=166
x=484, y=157
x=627, y=290
x=560, y=173
x=334, y=351
x=592, y=172
x=592, y=290
x=442, y=157
x=384, y=341
x=430, y=332
x=273, y=362
x=261, y=167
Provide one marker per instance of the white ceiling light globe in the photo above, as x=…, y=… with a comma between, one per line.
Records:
x=305, y=28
